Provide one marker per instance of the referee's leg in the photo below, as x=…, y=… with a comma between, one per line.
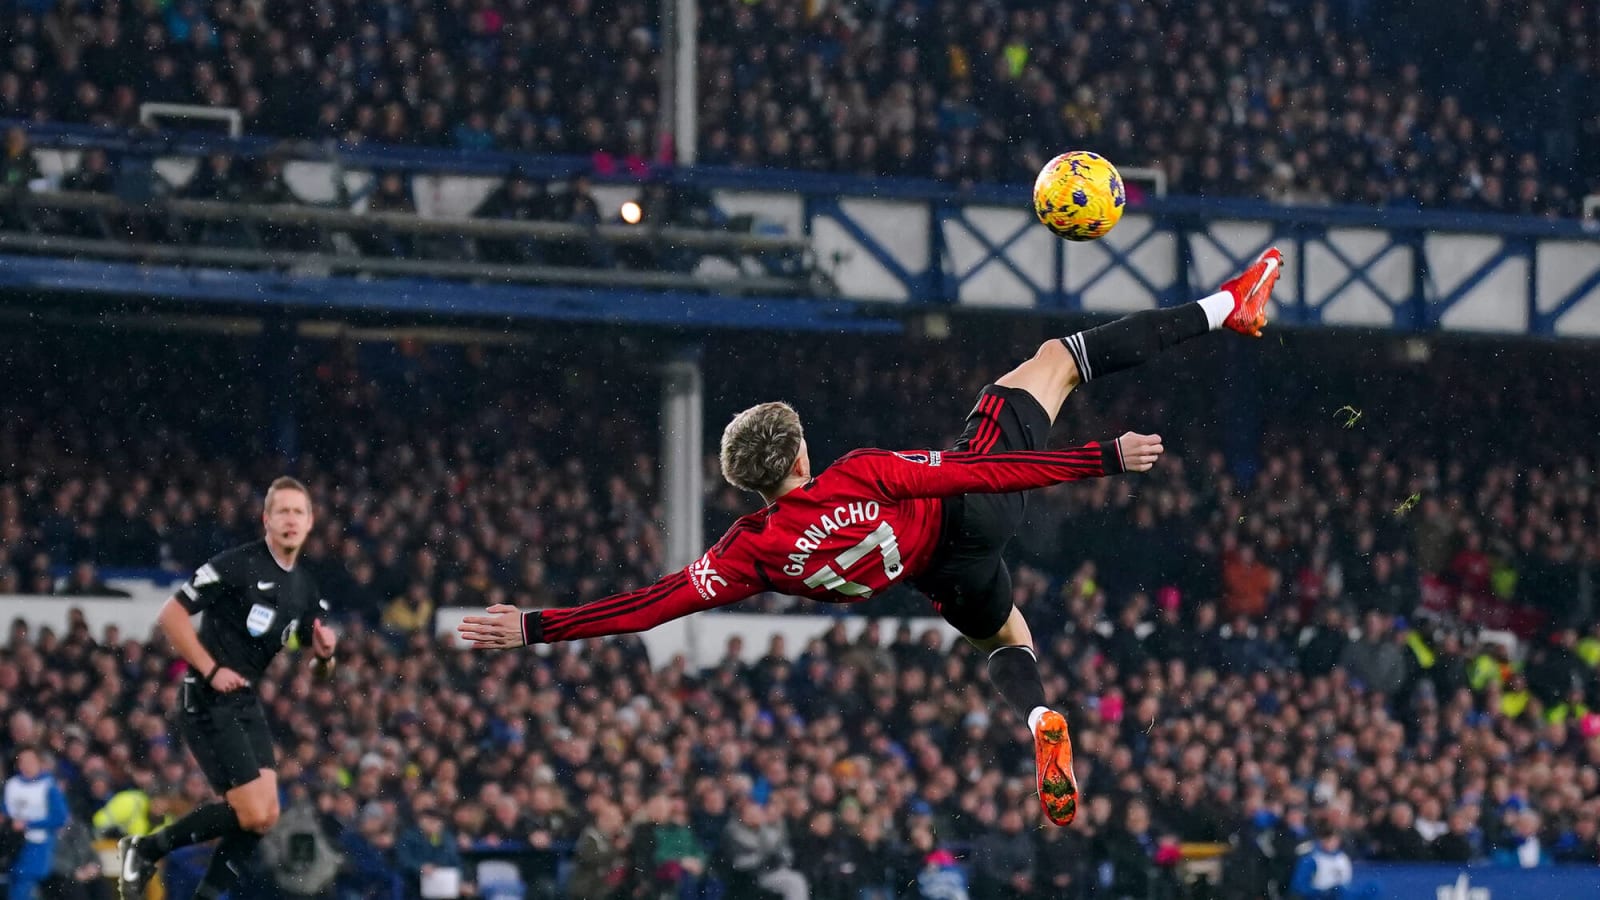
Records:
x=256, y=802
x=234, y=749
x=256, y=805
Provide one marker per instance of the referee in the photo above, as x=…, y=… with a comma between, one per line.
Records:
x=255, y=602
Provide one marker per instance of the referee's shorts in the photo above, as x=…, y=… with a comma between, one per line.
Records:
x=227, y=733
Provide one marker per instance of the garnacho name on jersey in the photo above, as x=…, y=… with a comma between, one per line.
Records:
x=842, y=516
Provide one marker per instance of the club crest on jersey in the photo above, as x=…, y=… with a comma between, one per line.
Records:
x=260, y=619
x=705, y=578
x=927, y=458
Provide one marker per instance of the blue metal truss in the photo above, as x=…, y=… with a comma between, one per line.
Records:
x=944, y=213
x=1545, y=322
x=1185, y=219
x=1355, y=273
x=1055, y=295
x=920, y=286
x=1123, y=259
x=1437, y=302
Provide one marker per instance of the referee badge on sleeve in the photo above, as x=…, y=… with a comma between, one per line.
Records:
x=260, y=619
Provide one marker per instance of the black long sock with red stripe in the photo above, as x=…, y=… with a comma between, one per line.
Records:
x=1133, y=340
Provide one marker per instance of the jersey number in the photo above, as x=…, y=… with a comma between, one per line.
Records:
x=881, y=539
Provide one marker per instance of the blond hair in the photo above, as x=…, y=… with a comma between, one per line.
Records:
x=759, y=447
x=285, y=483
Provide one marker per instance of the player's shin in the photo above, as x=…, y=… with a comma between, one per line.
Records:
x=1134, y=340
x=1014, y=671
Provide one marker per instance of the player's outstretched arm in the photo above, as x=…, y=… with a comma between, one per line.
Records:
x=694, y=589
x=932, y=473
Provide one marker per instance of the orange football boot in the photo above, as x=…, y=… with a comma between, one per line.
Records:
x=1251, y=289
x=1058, y=787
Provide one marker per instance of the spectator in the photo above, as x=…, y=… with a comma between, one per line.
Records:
x=1396, y=838
x=1003, y=863
x=367, y=843
x=1125, y=856
x=85, y=582
x=758, y=848
x=410, y=614
x=548, y=829
x=36, y=807
x=599, y=869
x=933, y=868
x=1247, y=583
x=1325, y=872
x=18, y=168
x=215, y=180
x=1376, y=661
x=1580, y=844
x=426, y=849
x=76, y=874
x=1463, y=842
x=669, y=856
x=874, y=860
x=1523, y=848
x=826, y=859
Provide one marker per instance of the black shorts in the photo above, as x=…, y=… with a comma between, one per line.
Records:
x=227, y=733
x=968, y=581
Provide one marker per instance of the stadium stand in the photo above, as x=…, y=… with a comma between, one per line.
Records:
x=1308, y=103
x=1301, y=644
x=1298, y=103
x=1353, y=609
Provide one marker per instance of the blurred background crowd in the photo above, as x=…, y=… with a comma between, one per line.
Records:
x=1491, y=106
x=1351, y=615
x=1276, y=637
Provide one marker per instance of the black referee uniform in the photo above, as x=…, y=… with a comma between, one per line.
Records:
x=253, y=608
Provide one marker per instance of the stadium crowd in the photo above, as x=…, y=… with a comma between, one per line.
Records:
x=1491, y=108
x=446, y=482
x=1292, y=652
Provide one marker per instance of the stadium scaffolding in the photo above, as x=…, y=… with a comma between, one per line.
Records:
x=251, y=236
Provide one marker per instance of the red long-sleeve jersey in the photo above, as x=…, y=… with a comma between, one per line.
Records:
x=869, y=520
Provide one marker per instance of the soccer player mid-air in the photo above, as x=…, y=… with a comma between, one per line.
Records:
x=937, y=519
x=256, y=601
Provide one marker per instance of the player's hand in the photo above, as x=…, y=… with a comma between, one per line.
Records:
x=1139, y=451
x=324, y=640
x=499, y=629
x=226, y=681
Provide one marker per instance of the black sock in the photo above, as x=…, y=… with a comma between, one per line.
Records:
x=1133, y=340
x=201, y=824
x=1015, y=674
x=227, y=864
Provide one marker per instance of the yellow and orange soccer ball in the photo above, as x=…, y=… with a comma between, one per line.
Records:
x=1079, y=195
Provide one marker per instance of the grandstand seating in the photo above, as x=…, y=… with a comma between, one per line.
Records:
x=1330, y=106
x=478, y=477
x=1360, y=594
